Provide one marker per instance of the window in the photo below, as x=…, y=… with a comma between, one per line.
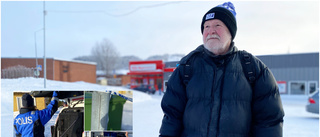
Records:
x=312, y=86
x=297, y=87
x=19, y=102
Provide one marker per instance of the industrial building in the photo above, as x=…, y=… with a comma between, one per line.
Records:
x=296, y=74
x=57, y=69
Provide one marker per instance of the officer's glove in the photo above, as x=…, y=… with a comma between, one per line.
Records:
x=55, y=95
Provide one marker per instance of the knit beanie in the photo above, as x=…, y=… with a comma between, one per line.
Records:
x=224, y=12
x=27, y=100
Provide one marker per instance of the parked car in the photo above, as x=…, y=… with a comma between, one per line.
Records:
x=146, y=88
x=313, y=103
x=127, y=86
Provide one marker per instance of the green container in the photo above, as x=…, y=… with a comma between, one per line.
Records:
x=115, y=112
x=87, y=110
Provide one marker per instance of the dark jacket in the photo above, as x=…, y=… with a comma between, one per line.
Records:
x=218, y=100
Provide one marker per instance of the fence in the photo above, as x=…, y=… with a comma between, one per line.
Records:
x=17, y=72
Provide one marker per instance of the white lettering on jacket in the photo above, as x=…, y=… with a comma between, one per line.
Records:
x=25, y=120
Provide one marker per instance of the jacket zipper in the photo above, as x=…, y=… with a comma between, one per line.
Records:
x=211, y=107
x=220, y=99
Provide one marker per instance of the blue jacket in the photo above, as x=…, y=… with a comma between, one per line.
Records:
x=218, y=100
x=30, y=123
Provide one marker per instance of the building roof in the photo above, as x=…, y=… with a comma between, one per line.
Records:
x=75, y=61
x=291, y=60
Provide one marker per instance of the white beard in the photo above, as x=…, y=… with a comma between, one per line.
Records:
x=216, y=46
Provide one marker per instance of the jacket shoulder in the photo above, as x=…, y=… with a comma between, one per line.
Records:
x=186, y=58
x=251, y=63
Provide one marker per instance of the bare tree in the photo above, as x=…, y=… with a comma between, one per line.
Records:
x=106, y=56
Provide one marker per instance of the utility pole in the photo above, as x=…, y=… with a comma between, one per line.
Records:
x=44, y=46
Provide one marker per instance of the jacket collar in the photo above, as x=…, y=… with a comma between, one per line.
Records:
x=219, y=60
x=25, y=110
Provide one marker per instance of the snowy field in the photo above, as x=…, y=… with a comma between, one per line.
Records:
x=297, y=122
x=147, y=113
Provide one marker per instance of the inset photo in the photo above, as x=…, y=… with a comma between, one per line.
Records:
x=108, y=114
x=48, y=113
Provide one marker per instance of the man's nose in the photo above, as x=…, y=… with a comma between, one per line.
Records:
x=212, y=30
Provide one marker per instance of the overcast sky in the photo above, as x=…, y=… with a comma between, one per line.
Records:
x=152, y=28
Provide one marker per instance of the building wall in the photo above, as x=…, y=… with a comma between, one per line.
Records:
x=305, y=76
x=125, y=80
x=291, y=60
x=296, y=74
x=74, y=71
x=29, y=63
x=299, y=71
x=41, y=104
x=59, y=70
x=15, y=102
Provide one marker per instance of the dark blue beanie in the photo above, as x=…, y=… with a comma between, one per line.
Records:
x=224, y=12
x=27, y=100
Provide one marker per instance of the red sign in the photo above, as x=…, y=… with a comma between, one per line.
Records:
x=143, y=67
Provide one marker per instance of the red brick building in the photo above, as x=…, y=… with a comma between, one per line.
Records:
x=57, y=69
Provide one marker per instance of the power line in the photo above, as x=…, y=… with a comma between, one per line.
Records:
x=145, y=7
x=117, y=15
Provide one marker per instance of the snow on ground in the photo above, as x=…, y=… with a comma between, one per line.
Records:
x=297, y=121
x=147, y=113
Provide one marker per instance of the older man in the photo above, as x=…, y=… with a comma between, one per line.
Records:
x=218, y=91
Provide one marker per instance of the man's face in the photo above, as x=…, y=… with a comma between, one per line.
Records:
x=216, y=37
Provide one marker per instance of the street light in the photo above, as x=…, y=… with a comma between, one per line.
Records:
x=35, y=43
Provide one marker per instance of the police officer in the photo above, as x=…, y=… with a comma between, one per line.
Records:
x=30, y=122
